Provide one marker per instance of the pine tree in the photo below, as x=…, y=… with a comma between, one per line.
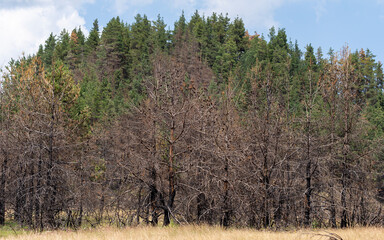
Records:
x=159, y=34
x=180, y=25
x=310, y=59
x=93, y=39
x=140, y=46
x=76, y=48
x=236, y=32
x=114, y=54
x=62, y=46
x=49, y=49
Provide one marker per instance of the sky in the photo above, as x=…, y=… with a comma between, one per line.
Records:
x=25, y=24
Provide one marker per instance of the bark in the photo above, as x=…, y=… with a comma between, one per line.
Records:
x=153, y=199
x=225, y=221
x=171, y=178
x=2, y=187
x=308, y=178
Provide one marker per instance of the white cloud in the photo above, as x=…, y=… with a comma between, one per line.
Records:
x=70, y=21
x=25, y=24
x=320, y=9
x=259, y=14
x=322, y=5
x=34, y=3
x=120, y=6
x=184, y=4
x=256, y=13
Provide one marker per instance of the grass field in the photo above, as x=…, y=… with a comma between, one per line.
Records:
x=199, y=233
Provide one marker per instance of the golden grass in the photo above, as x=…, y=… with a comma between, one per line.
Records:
x=199, y=233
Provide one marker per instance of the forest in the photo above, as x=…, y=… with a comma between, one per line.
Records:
x=138, y=124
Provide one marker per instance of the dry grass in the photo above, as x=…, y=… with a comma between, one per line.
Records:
x=200, y=233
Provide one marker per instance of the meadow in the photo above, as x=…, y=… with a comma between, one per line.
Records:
x=199, y=233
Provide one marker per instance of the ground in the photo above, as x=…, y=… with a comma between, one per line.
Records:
x=194, y=233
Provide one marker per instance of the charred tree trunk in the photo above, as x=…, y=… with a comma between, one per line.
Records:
x=201, y=209
x=171, y=178
x=2, y=187
x=38, y=214
x=266, y=218
x=225, y=219
x=363, y=210
x=308, y=178
x=79, y=219
x=51, y=194
x=153, y=194
x=226, y=213
x=31, y=196
x=153, y=198
x=50, y=198
x=138, y=210
x=20, y=198
x=332, y=209
x=343, y=222
x=343, y=200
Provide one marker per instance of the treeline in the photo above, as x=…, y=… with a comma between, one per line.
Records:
x=201, y=124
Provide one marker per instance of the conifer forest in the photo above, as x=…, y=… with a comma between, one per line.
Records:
x=198, y=123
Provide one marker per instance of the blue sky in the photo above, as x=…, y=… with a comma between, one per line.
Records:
x=24, y=24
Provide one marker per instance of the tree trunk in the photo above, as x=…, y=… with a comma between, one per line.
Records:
x=363, y=210
x=20, y=198
x=266, y=220
x=153, y=196
x=201, y=208
x=332, y=210
x=2, y=188
x=343, y=200
x=50, y=197
x=138, y=210
x=308, y=190
x=171, y=179
x=31, y=195
x=38, y=214
x=343, y=222
x=226, y=212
